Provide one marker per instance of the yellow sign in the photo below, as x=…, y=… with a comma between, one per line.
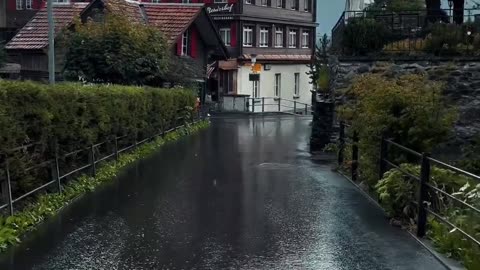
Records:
x=257, y=68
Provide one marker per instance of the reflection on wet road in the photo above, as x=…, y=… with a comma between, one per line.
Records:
x=244, y=194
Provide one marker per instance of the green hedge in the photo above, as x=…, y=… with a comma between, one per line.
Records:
x=73, y=116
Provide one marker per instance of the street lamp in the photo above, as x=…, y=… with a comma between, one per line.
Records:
x=51, y=43
x=254, y=59
x=450, y=4
x=384, y=6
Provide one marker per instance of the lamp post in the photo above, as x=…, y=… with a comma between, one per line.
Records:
x=450, y=4
x=51, y=43
x=254, y=61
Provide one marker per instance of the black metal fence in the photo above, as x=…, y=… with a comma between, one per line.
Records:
x=59, y=170
x=407, y=30
x=426, y=163
x=277, y=104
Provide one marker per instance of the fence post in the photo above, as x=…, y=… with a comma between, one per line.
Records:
x=92, y=160
x=253, y=105
x=341, y=146
x=295, y=107
x=383, y=156
x=116, y=148
x=263, y=104
x=422, y=196
x=279, y=104
x=306, y=109
x=354, y=167
x=9, y=186
x=57, y=173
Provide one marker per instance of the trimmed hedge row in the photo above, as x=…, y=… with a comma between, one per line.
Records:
x=73, y=116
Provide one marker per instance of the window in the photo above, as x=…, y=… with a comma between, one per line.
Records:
x=186, y=1
x=278, y=37
x=294, y=4
x=248, y=2
x=19, y=4
x=225, y=34
x=220, y=1
x=280, y=3
x=247, y=36
x=256, y=89
x=264, y=37
x=292, y=40
x=185, y=43
x=297, y=84
x=28, y=4
x=306, y=5
x=305, y=39
x=61, y=1
x=264, y=3
x=278, y=85
x=227, y=81
x=156, y=1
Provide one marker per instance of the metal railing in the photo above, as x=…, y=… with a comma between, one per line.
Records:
x=408, y=28
x=423, y=180
x=276, y=104
x=53, y=165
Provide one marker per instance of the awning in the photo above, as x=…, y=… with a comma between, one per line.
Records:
x=228, y=64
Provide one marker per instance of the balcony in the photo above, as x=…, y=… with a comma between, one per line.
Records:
x=417, y=32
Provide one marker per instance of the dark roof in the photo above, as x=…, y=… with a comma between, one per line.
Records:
x=171, y=19
x=280, y=57
x=34, y=35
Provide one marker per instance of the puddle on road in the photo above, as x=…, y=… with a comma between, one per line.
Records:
x=277, y=166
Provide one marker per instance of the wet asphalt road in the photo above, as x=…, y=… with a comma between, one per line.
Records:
x=244, y=194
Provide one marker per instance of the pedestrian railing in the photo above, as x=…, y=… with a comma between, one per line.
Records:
x=277, y=104
x=424, y=201
x=56, y=176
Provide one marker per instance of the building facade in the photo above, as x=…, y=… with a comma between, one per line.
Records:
x=278, y=34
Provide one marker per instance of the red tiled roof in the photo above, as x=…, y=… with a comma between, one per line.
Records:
x=34, y=35
x=280, y=57
x=173, y=19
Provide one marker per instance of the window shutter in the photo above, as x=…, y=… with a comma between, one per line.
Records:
x=179, y=45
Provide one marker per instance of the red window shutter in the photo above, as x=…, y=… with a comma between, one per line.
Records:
x=233, y=34
x=179, y=45
x=194, y=43
x=208, y=1
x=232, y=1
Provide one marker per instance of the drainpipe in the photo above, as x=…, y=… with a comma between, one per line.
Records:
x=51, y=43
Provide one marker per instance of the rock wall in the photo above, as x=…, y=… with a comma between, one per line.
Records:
x=462, y=80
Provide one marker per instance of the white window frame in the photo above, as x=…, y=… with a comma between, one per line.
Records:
x=248, y=2
x=19, y=4
x=226, y=35
x=264, y=3
x=156, y=1
x=293, y=5
x=297, y=84
x=247, y=36
x=256, y=89
x=264, y=37
x=60, y=1
x=220, y=1
x=278, y=85
x=292, y=38
x=185, y=43
x=306, y=5
x=280, y=3
x=186, y=1
x=29, y=4
x=305, y=39
x=279, y=31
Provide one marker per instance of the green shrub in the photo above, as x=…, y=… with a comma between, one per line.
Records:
x=75, y=116
x=396, y=191
x=447, y=39
x=47, y=205
x=364, y=35
x=410, y=110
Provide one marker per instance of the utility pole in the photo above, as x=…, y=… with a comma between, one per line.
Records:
x=51, y=43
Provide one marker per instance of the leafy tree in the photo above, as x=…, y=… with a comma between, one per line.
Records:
x=364, y=35
x=410, y=110
x=319, y=72
x=115, y=50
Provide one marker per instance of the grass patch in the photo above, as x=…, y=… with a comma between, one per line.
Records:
x=12, y=228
